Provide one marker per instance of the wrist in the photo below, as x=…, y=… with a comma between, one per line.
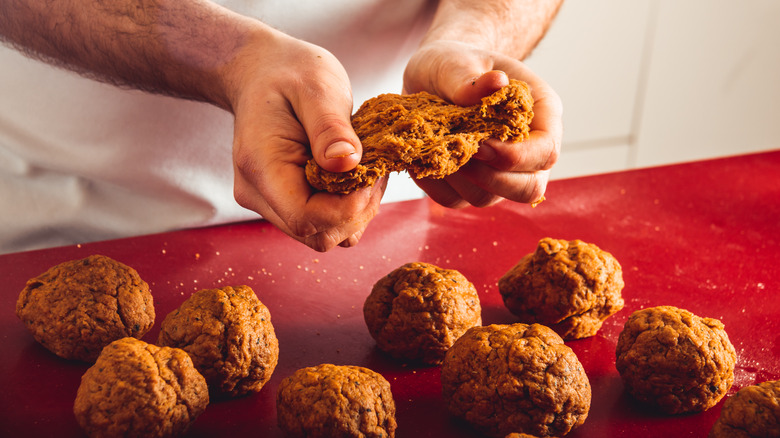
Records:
x=506, y=27
x=217, y=58
x=252, y=66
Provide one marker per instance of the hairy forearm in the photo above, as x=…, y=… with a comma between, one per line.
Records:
x=172, y=47
x=510, y=27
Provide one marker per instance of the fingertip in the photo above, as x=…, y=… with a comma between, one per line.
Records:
x=340, y=149
x=485, y=152
x=492, y=81
x=340, y=156
x=472, y=92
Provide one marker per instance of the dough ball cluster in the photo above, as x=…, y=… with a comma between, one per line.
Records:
x=419, y=310
x=569, y=286
x=139, y=389
x=329, y=400
x=229, y=335
x=515, y=378
x=674, y=360
x=76, y=308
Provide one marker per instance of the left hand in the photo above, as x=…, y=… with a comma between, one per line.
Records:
x=463, y=74
x=292, y=101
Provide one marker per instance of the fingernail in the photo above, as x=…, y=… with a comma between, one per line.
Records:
x=339, y=150
x=485, y=153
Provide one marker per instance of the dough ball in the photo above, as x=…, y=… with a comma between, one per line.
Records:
x=569, y=286
x=336, y=401
x=515, y=378
x=136, y=389
x=675, y=360
x=228, y=334
x=418, y=311
x=78, y=307
x=752, y=412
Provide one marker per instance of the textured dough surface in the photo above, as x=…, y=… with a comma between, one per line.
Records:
x=515, y=378
x=419, y=310
x=752, y=412
x=329, y=400
x=136, y=389
x=229, y=335
x=78, y=307
x=569, y=286
x=675, y=360
x=426, y=135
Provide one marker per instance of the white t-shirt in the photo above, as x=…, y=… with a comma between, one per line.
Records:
x=82, y=161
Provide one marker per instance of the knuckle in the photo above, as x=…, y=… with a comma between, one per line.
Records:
x=301, y=227
x=553, y=155
x=485, y=199
x=351, y=240
x=242, y=197
x=244, y=164
x=321, y=242
x=450, y=201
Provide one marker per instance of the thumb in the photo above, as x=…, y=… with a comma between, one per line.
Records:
x=453, y=71
x=472, y=90
x=461, y=80
x=334, y=144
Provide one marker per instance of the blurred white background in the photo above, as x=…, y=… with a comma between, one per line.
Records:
x=652, y=82
x=649, y=82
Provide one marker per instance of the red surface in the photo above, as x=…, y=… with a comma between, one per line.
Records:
x=702, y=236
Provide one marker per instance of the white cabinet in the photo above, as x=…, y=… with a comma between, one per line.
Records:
x=713, y=82
x=648, y=82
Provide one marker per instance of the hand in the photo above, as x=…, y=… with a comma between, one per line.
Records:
x=291, y=100
x=463, y=74
x=291, y=97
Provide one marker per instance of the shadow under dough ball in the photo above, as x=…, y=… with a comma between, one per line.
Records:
x=569, y=286
x=76, y=308
x=674, y=360
x=515, y=378
x=228, y=334
x=329, y=400
x=419, y=310
x=136, y=389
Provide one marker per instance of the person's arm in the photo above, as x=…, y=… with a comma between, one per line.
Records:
x=290, y=99
x=164, y=46
x=510, y=27
x=471, y=50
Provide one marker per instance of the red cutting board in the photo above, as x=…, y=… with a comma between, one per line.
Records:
x=703, y=236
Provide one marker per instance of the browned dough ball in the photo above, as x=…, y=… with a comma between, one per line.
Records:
x=752, y=412
x=136, y=389
x=515, y=378
x=672, y=359
x=78, y=307
x=335, y=401
x=569, y=286
x=419, y=310
x=228, y=334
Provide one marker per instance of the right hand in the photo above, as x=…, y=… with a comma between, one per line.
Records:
x=292, y=100
x=463, y=74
